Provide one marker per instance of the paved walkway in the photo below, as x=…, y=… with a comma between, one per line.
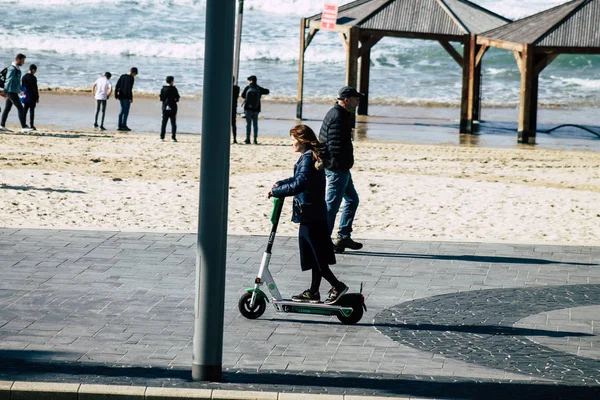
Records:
x=445, y=320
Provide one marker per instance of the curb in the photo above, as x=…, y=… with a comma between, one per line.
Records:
x=74, y=391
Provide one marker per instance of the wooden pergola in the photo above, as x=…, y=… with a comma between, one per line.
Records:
x=363, y=23
x=572, y=28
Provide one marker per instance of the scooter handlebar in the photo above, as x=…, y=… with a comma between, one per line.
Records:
x=277, y=206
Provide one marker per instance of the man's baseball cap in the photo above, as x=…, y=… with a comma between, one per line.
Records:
x=347, y=92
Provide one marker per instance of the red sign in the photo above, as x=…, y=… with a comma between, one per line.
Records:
x=329, y=17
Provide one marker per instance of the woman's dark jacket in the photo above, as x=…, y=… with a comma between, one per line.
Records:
x=308, y=188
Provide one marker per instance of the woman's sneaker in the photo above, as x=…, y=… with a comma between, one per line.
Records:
x=307, y=296
x=336, y=292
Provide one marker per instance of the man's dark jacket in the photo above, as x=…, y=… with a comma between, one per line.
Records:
x=336, y=139
x=169, y=95
x=30, y=82
x=308, y=188
x=262, y=91
x=124, y=87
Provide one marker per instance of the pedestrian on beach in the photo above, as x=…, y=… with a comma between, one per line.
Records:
x=32, y=98
x=234, y=100
x=252, y=94
x=338, y=154
x=310, y=211
x=101, y=90
x=169, y=97
x=124, y=93
x=12, y=88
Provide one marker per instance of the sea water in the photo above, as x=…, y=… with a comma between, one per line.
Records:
x=74, y=41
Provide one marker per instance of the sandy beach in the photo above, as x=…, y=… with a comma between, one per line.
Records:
x=82, y=179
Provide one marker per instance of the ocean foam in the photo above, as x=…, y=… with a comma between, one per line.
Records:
x=509, y=8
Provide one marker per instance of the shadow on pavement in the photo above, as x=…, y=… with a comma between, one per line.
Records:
x=475, y=329
x=23, y=365
x=481, y=259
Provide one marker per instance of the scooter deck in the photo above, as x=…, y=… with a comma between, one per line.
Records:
x=334, y=308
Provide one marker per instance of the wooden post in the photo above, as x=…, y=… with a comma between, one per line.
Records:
x=352, y=57
x=528, y=105
x=365, y=68
x=466, y=123
x=475, y=91
x=300, y=95
x=471, y=91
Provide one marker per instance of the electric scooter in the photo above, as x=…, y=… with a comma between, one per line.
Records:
x=348, y=309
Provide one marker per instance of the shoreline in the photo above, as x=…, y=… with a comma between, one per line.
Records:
x=291, y=99
x=397, y=124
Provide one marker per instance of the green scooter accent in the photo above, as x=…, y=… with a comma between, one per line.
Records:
x=259, y=293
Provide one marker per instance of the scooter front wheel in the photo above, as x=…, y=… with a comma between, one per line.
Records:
x=260, y=305
x=357, y=311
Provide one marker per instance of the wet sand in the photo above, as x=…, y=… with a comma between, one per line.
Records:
x=403, y=124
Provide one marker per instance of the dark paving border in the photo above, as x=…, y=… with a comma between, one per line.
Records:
x=477, y=327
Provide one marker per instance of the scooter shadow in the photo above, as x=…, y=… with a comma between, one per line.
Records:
x=496, y=330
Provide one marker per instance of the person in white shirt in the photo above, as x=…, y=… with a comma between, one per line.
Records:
x=101, y=90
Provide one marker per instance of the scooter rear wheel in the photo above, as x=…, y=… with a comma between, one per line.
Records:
x=357, y=313
x=260, y=305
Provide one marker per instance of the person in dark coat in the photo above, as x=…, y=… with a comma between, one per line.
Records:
x=310, y=211
x=252, y=107
x=124, y=93
x=169, y=97
x=234, y=100
x=338, y=154
x=29, y=84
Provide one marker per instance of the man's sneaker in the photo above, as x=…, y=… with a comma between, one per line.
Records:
x=255, y=141
x=121, y=129
x=102, y=128
x=33, y=128
x=307, y=296
x=342, y=244
x=127, y=128
x=26, y=129
x=336, y=292
x=174, y=139
x=95, y=125
x=247, y=141
x=4, y=129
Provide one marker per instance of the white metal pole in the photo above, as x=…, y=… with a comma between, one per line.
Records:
x=238, y=40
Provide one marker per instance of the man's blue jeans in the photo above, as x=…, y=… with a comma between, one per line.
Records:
x=125, y=105
x=340, y=187
x=251, y=121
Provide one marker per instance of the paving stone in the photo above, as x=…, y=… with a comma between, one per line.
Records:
x=109, y=392
x=45, y=390
x=243, y=395
x=104, y=307
x=156, y=393
x=5, y=390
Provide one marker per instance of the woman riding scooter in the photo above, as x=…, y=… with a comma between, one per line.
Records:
x=310, y=211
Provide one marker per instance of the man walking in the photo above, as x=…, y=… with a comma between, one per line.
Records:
x=101, y=90
x=336, y=141
x=252, y=94
x=30, y=86
x=234, y=99
x=169, y=97
x=12, y=88
x=124, y=93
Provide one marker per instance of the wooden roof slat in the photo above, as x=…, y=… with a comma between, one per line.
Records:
x=442, y=17
x=530, y=29
x=579, y=29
